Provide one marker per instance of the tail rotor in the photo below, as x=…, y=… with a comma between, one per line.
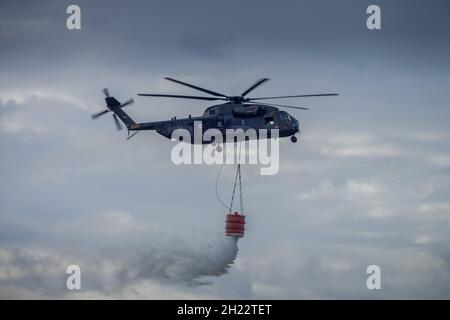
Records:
x=111, y=103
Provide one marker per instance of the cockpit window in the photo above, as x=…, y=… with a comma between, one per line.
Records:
x=269, y=120
x=285, y=116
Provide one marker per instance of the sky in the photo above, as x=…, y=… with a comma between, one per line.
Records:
x=368, y=182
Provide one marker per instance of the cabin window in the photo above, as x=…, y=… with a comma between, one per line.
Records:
x=269, y=121
x=212, y=111
x=243, y=122
x=219, y=124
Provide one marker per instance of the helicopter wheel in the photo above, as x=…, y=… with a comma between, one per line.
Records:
x=218, y=148
x=294, y=139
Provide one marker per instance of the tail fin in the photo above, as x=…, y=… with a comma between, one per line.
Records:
x=116, y=107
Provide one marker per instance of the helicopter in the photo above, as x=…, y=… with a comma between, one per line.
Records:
x=237, y=112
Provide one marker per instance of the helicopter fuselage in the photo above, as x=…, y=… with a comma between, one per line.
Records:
x=228, y=116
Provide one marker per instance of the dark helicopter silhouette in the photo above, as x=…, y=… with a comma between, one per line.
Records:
x=238, y=112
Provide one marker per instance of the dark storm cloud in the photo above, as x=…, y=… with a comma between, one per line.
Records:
x=146, y=30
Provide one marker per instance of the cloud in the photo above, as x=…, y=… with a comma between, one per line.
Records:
x=434, y=207
x=20, y=122
x=361, y=187
x=22, y=96
x=442, y=160
x=323, y=190
x=354, y=145
x=422, y=240
x=379, y=212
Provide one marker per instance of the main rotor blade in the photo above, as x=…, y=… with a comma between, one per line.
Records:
x=98, y=114
x=196, y=88
x=256, y=84
x=298, y=96
x=281, y=106
x=179, y=96
x=106, y=92
x=118, y=125
x=131, y=101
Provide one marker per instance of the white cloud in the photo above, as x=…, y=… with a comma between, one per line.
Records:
x=355, y=145
x=325, y=189
x=434, y=207
x=442, y=160
x=22, y=96
x=379, y=212
x=422, y=240
x=361, y=187
x=20, y=122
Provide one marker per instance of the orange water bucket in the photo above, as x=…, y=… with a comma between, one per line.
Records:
x=235, y=225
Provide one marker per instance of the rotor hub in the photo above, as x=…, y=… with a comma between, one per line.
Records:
x=236, y=99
